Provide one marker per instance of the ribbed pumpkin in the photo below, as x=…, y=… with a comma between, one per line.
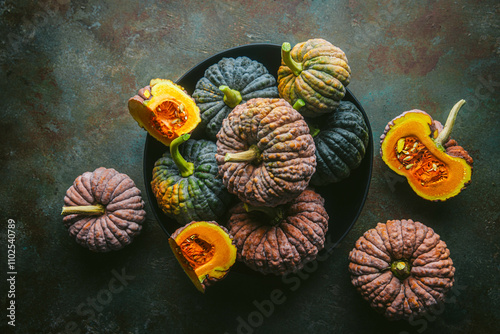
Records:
x=186, y=183
x=402, y=268
x=265, y=152
x=316, y=72
x=228, y=83
x=282, y=239
x=103, y=210
x=341, y=139
x=419, y=148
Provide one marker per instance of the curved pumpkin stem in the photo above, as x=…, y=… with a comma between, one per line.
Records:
x=250, y=155
x=185, y=168
x=450, y=122
x=90, y=210
x=231, y=96
x=287, y=59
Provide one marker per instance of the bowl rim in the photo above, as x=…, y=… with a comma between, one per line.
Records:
x=212, y=60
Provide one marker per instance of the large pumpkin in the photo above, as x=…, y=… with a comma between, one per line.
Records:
x=419, y=148
x=316, y=72
x=103, y=210
x=265, y=152
x=228, y=83
x=402, y=268
x=282, y=239
x=186, y=184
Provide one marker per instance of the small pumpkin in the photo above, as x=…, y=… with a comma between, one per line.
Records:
x=265, y=153
x=164, y=110
x=316, y=72
x=228, y=83
x=341, y=140
x=103, y=210
x=186, y=184
x=418, y=147
x=205, y=251
x=402, y=268
x=282, y=239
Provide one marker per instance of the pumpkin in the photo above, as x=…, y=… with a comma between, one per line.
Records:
x=205, y=251
x=402, y=268
x=164, y=110
x=282, y=239
x=265, y=153
x=185, y=182
x=228, y=83
x=103, y=210
x=341, y=140
x=316, y=72
x=418, y=147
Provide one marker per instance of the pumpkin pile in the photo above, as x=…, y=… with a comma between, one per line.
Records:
x=244, y=179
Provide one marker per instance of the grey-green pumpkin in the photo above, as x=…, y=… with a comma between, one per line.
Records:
x=341, y=140
x=226, y=84
x=186, y=183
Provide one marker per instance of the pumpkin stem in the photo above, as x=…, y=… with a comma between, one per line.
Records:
x=185, y=168
x=298, y=104
x=450, y=122
x=287, y=59
x=276, y=214
x=250, y=155
x=231, y=96
x=401, y=269
x=90, y=210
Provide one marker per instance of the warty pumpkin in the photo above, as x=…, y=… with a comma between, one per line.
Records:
x=205, y=251
x=265, y=153
x=402, y=268
x=185, y=182
x=418, y=148
x=103, y=210
x=164, y=110
x=341, y=139
x=228, y=83
x=280, y=240
x=316, y=72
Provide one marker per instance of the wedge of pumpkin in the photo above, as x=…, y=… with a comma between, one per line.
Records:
x=164, y=110
x=205, y=251
x=419, y=148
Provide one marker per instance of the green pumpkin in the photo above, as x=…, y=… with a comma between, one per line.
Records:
x=341, y=140
x=185, y=182
x=225, y=85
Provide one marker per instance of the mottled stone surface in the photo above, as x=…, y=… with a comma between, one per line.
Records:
x=67, y=69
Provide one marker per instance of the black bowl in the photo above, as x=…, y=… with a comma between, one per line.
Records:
x=343, y=201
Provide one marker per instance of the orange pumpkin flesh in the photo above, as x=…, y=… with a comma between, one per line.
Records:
x=164, y=110
x=412, y=147
x=205, y=251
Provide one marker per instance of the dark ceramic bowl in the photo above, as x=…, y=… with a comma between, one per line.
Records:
x=343, y=201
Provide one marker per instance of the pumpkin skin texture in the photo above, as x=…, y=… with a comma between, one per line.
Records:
x=241, y=79
x=104, y=210
x=282, y=242
x=316, y=72
x=164, y=110
x=402, y=268
x=265, y=152
x=190, y=190
x=341, y=143
x=418, y=148
x=205, y=250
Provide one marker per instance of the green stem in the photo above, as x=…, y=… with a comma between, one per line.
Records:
x=231, y=97
x=252, y=154
x=185, y=168
x=401, y=269
x=450, y=122
x=313, y=130
x=298, y=104
x=276, y=213
x=287, y=59
x=91, y=210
